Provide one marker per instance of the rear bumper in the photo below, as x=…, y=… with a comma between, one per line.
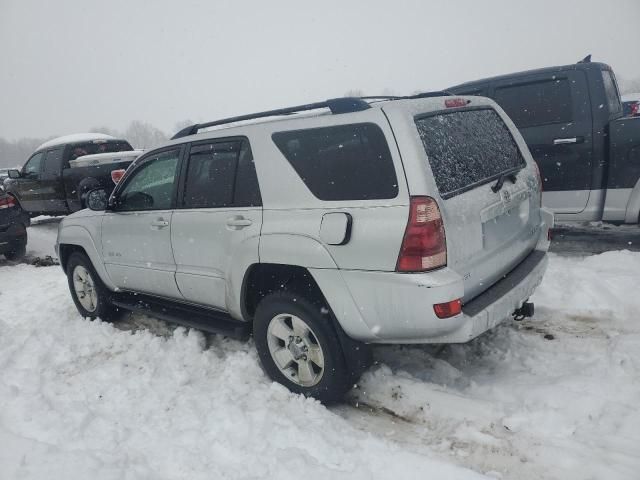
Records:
x=388, y=307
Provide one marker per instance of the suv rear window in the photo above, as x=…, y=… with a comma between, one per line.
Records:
x=467, y=148
x=344, y=162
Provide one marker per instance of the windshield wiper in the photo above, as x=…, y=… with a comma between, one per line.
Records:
x=511, y=176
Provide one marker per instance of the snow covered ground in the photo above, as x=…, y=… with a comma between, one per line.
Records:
x=555, y=397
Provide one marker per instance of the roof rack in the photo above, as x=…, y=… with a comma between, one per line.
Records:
x=336, y=105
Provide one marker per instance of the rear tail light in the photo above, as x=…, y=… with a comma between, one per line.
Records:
x=449, y=309
x=424, y=245
x=116, y=175
x=635, y=109
x=456, y=102
x=8, y=202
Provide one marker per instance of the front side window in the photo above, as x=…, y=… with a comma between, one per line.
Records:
x=151, y=185
x=611, y=92
x=345, y=162
x=537, y=103
x=32, y=168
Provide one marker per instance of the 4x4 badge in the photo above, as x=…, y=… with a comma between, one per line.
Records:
x=506, y=196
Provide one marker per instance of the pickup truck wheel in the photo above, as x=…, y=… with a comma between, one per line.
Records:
x=299, y=348
x=91, y=296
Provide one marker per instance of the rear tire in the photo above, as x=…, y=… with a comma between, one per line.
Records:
x=299, y=348
x=91, y=296
x=18, y=249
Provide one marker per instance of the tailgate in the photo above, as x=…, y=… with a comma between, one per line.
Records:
x=489, y=194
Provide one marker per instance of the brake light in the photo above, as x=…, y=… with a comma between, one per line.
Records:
x=116, y=175
x=449, y=309
x=8, y=202
x=424, y=245
x=456, y=102
x=635, y=109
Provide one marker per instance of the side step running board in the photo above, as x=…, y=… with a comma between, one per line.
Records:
x=203, y=319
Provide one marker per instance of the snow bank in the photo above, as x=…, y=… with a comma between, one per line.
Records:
x=85, y=400
x=82, y=399
x=515, y=402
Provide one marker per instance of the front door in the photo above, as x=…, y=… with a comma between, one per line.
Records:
x=217, y=224
x=28, y=185
x=136, y=233
x=553, y=113
x=52, y=193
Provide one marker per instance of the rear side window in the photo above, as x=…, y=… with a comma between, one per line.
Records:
x=98, y=146
x=467, y=148
x=221, y=174
x=538, y=103
x=611, y=92
x=345, y=162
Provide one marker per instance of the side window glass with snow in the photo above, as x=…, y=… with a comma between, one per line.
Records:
x=151, y=186
x=32, y=167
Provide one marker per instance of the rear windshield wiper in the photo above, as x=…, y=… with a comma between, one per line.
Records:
x=511, y=176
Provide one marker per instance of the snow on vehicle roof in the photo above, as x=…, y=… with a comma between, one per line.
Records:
x=74, y=138
x=105, y=158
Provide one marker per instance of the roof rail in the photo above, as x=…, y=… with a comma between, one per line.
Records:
x=336, y=105
x=440, y=93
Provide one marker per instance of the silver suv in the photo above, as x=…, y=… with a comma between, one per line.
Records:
x=400, y=220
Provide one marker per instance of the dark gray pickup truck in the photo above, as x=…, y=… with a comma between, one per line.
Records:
x=57, y=176
x=571, y=117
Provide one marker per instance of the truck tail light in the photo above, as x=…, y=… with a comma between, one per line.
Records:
x=116, y=175
x=8, y=202
x=424, y=245
x=449, y=309
x=635, y=109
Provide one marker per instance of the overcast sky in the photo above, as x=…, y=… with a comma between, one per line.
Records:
x=68, y=65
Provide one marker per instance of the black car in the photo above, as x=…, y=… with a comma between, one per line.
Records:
x=13, y=228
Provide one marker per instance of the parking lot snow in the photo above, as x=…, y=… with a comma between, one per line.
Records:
x=552, y=397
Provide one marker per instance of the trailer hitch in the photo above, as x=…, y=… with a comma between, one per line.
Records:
x=526, y=310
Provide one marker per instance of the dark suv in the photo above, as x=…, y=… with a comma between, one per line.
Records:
x=13, y=228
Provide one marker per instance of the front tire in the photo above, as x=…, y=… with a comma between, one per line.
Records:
x=299, y=348
x=91, y=296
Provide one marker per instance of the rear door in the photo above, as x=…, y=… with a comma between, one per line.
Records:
x=218, y=221
x=489, y=230
x=136, y=233
x=553, y=113
x=52, y=194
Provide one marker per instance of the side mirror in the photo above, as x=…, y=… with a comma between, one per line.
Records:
x=97, y=200
x=13, y=173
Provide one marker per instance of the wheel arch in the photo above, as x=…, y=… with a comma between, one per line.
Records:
x=76, y=238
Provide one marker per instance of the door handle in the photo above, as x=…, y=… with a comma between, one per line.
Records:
x=567, y=141
x=160, y=223
x=238, y=222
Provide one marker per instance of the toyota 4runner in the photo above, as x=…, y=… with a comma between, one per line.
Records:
x=380, y=220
